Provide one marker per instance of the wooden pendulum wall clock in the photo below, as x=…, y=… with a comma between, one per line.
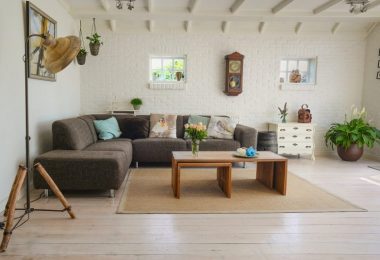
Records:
x=234, y=74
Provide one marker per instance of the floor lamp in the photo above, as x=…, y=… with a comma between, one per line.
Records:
x=58, y=54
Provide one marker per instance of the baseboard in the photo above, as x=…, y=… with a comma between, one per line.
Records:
x=372, y=157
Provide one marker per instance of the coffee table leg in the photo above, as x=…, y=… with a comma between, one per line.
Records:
x=280, y=176
x=175, y=179
x=224, y=179
x=264, y=173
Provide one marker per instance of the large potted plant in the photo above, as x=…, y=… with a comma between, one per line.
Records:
x=136, y=103
x=94, y=43
x=352, y=135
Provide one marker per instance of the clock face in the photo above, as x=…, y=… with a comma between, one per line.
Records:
x=235, y=66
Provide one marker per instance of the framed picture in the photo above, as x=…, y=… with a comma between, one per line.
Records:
x=38, y=22
x=378, y=75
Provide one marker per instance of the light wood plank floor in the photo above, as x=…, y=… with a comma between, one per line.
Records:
x=99, y=233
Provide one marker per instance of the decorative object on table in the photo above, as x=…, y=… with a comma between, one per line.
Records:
x=221, y=127
x=267, y=141
x=56, y=54
x=294, y=138
x=197, y=133
x=283, y=112
x=136, y=103
x=234, y=74
x=94, y=40
x=195, y=119
x=304, y=114
x=249, y=152
x=179, y=75
x=39, y=23
x=164, y=126
x=81, y=57
x=130, y=4
x=295, y=76
x=352, y=135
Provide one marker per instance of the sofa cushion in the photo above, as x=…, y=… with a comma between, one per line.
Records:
x=134, y=127
x=121, y=144
x=83, y=170
x=163, y=126
x=71, y=134
x=216, y=145
x=107, y=129
x=221, y=127
x=156, y=149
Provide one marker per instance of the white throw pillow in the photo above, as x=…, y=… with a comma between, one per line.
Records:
x=221, y=127
x=163, y=126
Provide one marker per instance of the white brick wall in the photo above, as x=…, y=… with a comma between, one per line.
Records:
x=122, y=69
x=371, y=92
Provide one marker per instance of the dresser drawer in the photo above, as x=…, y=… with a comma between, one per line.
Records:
x=295, y=148
x=295, y=129
x=296, y=137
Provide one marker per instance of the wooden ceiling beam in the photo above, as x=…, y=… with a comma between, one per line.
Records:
x=262, y=26
x=65, y=5
x=371, y=28
x=150, y=25
x=188, y=25
x=335, y=28
x=149, y=6
x=226, y=26
x=298, y=27
x=105, y=5
x=326, y=6
x=112, y=24
x=281, y=5
x=373, y=4
x=236, y=6
x=193, y=5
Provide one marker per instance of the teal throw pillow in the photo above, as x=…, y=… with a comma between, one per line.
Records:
x=107, y=129
x=194, y=119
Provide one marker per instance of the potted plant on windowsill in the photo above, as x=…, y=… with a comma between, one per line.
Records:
x=136, y=103
x=81, y=56
x=352, y=135
x=94, y=43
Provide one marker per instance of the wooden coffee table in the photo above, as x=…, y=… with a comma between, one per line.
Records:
x=271, y=169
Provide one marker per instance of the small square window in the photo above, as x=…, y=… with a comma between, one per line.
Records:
x=167, y=69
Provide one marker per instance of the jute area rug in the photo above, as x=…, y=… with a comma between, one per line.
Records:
x=148, y=190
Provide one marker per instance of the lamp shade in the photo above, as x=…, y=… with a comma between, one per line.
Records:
x=60, y=52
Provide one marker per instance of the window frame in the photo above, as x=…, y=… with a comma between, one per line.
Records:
x=173, y=58
x=311, y=72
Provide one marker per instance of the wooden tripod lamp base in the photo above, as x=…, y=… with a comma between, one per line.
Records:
x=10, y=208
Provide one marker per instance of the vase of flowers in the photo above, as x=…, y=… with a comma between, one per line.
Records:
x=196, y=132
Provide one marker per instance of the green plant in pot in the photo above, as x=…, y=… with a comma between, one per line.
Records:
x=94, y=43
x=136, y=103
x=81, y=56
x=352, y=135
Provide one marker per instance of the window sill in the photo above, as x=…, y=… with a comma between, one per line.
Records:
x=174, y=85
x=298, y=86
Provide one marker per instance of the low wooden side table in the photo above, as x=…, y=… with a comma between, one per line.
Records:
x=223, y=172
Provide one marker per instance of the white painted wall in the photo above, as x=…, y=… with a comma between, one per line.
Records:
x=48, y=100
x=371, y=91
x=122, y=69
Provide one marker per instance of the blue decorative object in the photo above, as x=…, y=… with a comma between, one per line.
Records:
x=107, y=129
x=250, y=152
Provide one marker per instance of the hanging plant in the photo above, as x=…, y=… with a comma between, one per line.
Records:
x=81, y=56
x=94, y=40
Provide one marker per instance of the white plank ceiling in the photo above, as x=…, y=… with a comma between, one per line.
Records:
x=228, y=16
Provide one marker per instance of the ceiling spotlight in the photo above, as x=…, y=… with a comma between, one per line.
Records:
x=129, y=3
x=357, y=6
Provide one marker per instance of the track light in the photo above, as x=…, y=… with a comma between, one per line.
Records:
x=129, y=3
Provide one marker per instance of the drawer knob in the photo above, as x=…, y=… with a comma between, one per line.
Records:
x=294, y=136
x=295, y=128
x=307, y=137
x=281, y=137
x=282, y=130
x=295, y=144
x=308, y=146
x=281, y=146
x=309, y=130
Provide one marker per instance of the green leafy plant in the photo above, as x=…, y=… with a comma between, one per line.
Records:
x=357, y=130
x=94, y=39
x=82, y=51
x=136, y=102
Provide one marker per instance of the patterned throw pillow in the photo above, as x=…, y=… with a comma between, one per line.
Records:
x=221, y=127
x=107, y=129
x=194, y=119
x=163, y=126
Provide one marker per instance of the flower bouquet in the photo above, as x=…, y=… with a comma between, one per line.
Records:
x=197, y=132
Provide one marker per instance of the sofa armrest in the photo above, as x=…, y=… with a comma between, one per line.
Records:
x=247, y=136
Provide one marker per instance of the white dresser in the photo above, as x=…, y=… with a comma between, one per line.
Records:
x=294, y=138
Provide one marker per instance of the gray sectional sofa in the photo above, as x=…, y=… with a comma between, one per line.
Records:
x=79, y=161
